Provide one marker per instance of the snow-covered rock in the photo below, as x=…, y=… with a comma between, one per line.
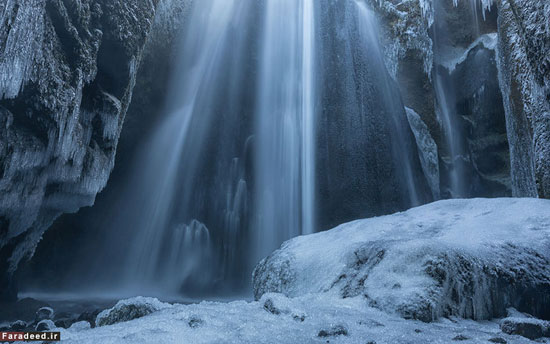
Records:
x=469, y=258
x=130, y=309
x=527, y=327
x=427, y=151
x=45, y=325
x=524, y=74
x=44, y=313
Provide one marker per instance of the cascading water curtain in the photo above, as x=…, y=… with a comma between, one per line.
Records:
x=285, y=125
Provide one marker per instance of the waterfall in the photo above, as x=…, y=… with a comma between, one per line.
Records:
x=285, y=125
x=449, y=51
x=280, y=113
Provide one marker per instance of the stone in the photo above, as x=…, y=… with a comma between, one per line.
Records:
x=336, y=330
x=130, y=309
x=45, y=325
x=527, y=327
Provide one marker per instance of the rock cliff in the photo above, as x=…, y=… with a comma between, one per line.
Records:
x=67, y=73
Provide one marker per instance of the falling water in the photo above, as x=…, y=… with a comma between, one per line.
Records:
x=457, y=159
x=168, y=245
x=368, y=32
x=232, y=171
x=285, y=124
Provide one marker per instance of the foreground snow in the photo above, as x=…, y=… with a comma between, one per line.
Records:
x=357, y=283
x=277, y=319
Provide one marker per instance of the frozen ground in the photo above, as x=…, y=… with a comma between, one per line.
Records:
x=277, y=319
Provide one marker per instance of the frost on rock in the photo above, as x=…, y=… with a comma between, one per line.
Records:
x=427, y=150
x=524, y=75
x=126, y=310
x=468, y=258
x=404, y=30
x=22, y=31
x=60, y=113
x=488, y=41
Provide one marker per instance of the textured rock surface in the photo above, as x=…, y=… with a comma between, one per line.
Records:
x=427, y=150
x=524, y=72
x=67, y=74
x=424, y=38
x=469, y=258
x=130, y=309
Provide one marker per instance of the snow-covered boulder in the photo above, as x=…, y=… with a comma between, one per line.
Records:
x=524, y=325
x=44, y=313
x=129, y=309
x=45, y=325
x=469, y=258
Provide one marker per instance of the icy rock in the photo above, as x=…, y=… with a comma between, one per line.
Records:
x=59, y=118
x=44, y=313
x=524, y=74
x=527, y=327
x=89, y=316
x=18, y=325
x=126, y=310
x=427, y=151
x=79, y=326
x=468, y=258
x=45, y=325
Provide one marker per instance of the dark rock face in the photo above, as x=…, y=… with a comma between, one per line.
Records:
x=421, y=39
x=68, y=72
x=524, y=73
x=364, y=143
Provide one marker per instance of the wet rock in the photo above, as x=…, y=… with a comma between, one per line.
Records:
x=498, y=340
x=44, y=313
x=129, y=309
x=18, y=325
x=64, y=322
x=45, y=325
x=89, y=316
x=23, y=309
x=336, y=330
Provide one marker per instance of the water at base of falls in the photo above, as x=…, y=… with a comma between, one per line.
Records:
x=259, y=140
